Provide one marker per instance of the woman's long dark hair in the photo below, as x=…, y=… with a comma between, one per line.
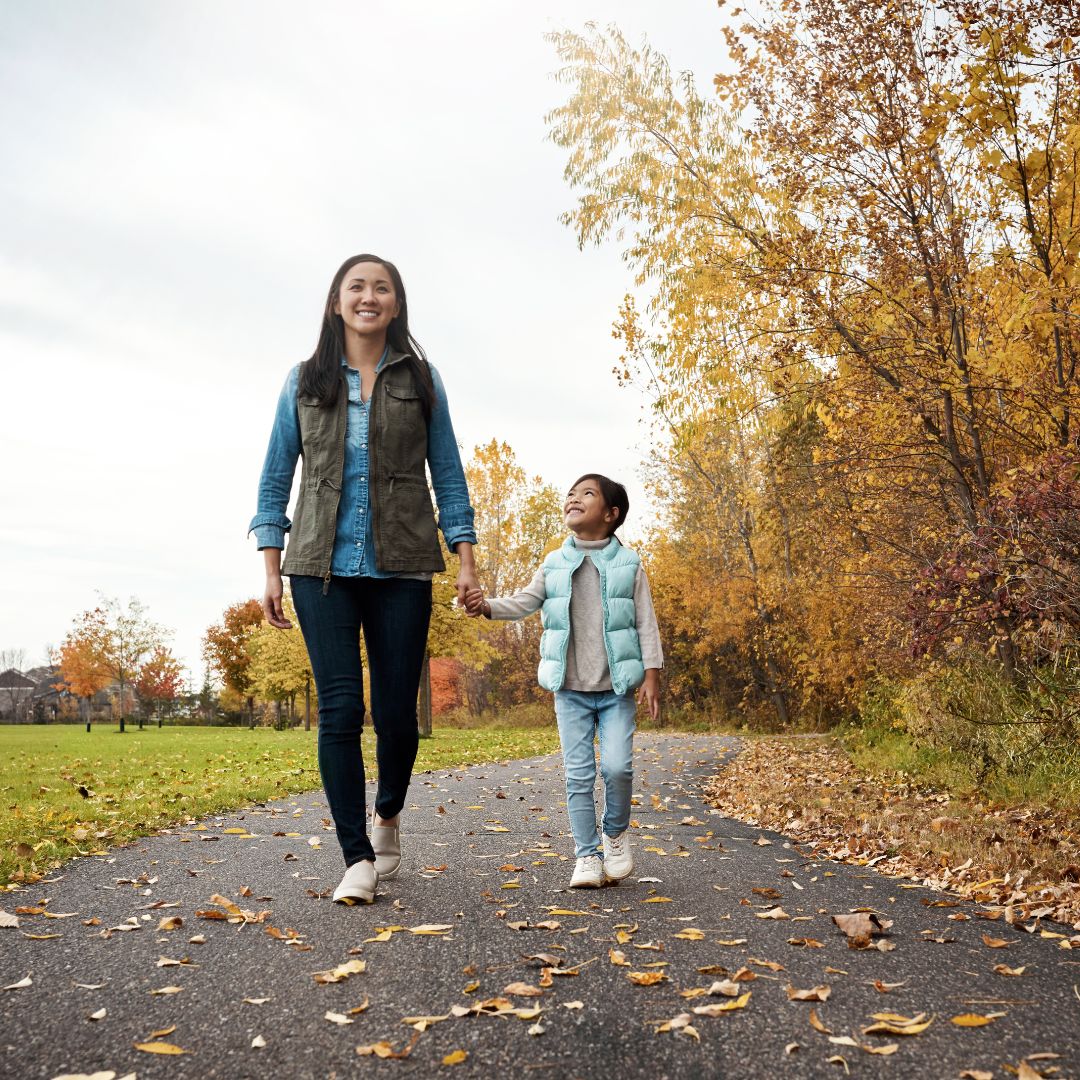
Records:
x=320, y=377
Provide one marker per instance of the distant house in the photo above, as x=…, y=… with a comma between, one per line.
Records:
x=16, y=693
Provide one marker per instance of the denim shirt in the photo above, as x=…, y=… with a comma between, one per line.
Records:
x=354, y=543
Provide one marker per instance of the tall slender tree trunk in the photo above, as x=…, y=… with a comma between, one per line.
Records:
x=424, y=708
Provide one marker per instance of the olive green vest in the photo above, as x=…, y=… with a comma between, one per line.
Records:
x=403, y=519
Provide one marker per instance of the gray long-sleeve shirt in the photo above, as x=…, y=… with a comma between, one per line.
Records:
x=586, y=656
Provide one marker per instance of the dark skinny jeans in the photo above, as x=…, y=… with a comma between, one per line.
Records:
x=393, y=614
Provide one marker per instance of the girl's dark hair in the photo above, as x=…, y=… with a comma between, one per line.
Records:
x=613, y=494
x=320, y=377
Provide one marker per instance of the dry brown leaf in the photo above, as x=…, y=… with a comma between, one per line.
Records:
x=1004, y=969
x=166, y=990
x=995, y=942
x=433, y=929
x=817, y=1025
x=806, y=942
x=337, y=1018
x=522, y=989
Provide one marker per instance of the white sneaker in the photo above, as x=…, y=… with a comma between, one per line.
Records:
x=386, y=843
x=618, y=862
x=359, y=884
x=588, y=873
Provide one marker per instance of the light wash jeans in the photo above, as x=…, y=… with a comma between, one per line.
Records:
x=584, y=715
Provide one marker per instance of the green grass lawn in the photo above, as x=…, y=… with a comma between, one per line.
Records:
x=142, y=781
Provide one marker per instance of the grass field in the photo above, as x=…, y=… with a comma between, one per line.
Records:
x=65, y=792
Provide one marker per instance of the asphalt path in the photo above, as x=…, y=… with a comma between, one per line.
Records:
x=487, y=862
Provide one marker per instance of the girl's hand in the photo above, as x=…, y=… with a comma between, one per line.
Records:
x=649, y=692
x=476, y=605
x=271, y=604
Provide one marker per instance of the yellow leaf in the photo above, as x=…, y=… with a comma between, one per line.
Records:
x=658, y=900
x=159, y=1048
x=971, y=1020
x=723, y=1006
x=455, y=1057
x=646, y=978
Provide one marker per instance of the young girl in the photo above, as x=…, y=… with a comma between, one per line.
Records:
x=366, y=412
x=600, y=644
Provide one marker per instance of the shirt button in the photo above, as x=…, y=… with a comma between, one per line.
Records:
x=359, y=544
x=362, y=479
x=363, y=446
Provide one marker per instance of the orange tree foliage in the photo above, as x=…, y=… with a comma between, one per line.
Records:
x=862, y=334
x=82, y=672
x=518, y=520
x=225, y=646
x=159, y=680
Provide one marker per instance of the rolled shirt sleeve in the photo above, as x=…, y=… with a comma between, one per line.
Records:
x=447, y=474
x=271, y=522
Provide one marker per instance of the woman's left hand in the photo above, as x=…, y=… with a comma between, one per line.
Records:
x=466, y=582
x=466, y=578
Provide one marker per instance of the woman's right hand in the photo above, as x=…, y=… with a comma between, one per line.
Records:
x=271, y=604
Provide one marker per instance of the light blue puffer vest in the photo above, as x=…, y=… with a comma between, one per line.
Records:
x=618, y=570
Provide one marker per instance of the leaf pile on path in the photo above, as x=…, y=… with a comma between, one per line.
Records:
x=1022, y=860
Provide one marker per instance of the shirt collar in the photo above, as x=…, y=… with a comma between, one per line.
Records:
x=379, y=365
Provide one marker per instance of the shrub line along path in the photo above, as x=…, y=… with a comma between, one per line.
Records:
x=515, y=973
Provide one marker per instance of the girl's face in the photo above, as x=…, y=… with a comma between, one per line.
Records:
x=585, y=512
x=366, y=300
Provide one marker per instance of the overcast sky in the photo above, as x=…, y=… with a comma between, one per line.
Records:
x=179, y=182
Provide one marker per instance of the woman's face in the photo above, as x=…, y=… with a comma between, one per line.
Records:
x=366, y=300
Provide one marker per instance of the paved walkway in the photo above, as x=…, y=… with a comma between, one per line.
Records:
x=546, y=981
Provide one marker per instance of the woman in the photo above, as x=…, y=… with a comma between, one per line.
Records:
x=365, y=412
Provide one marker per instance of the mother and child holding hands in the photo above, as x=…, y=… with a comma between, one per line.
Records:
x=368, y=414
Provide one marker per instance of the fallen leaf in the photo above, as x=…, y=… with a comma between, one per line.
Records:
x=807, y=943
x=815, y=993
x=971, y=1020
x=337, y=1018
x=162, y=1032
x=170, y=922
x=860, y=926
x=256, y=1001
x=258, y=1042
x=455, y=1057
x=522, y=989
x=817, y=1025
x=159, y=1048
x=1004, y=969
x=99, y=1015
x=772, y=913
x=166, y=990
x=8, y=920
x=646, y=978
x=715, y=1009
x=342, y=971
x=995, y=942
x=432, y=928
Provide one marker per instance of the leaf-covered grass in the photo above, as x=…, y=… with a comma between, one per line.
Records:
x=142, y=781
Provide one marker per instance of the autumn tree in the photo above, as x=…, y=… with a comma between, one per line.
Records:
x=519, y=519
x=159, y=680
x=279, y=666
x=83, y=671
x=861, y=261
x=224, y=648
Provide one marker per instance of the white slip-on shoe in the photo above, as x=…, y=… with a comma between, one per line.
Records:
x=618, y=862
x=386, y=843
x=588, y=873
x=359, y=884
